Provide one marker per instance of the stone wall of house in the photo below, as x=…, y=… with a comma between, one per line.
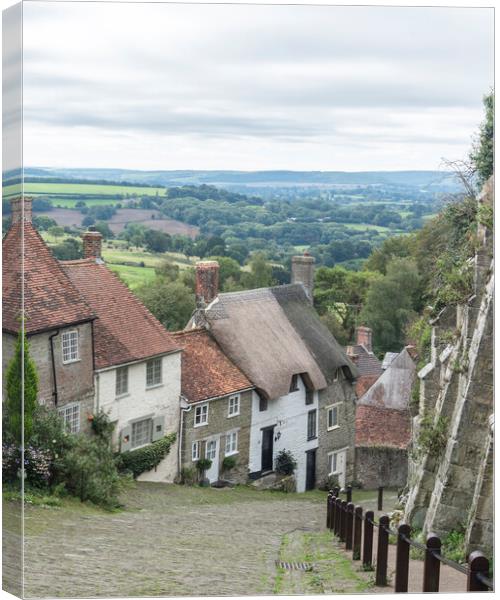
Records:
x=449, y=490
x=341, y=437
x=381, y=466
x=219, y=424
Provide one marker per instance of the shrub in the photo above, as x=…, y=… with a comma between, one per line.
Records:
x=203, y=464
x=38, y=466
x=228, y=463
x=328, y=483
x=285, y=462
x=188, y=476
x=454, y=546
x=146, y=458
x=433, y=435
x=11, y=462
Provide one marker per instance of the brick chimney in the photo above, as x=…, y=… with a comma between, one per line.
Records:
x=303, y=272
x=207, y=282
x=21, y=205
x=92, y=243
x=364, y=337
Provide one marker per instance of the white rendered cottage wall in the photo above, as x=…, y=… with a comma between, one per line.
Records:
x=160, y=400
x=289, y=415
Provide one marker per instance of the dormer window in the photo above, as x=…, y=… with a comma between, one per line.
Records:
x=70, y=346
x=294, y=384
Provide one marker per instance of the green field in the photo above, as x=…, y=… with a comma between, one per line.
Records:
x=366, y=226
x=71, y=202
x=134, y=277
x=67, y=189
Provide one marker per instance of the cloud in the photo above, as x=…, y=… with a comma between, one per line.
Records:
x=406, y=83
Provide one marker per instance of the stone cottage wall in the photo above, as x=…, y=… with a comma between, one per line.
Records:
x=381, y=466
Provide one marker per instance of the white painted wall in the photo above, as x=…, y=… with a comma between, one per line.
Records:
x=289, y=415
x=162, y=400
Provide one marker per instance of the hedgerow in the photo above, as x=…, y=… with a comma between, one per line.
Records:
x=146, y=458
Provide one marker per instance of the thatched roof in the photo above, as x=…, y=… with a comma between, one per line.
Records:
x=393, y=388
x=274, y=333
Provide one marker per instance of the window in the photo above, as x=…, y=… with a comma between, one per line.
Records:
x=195, y=451
x=294, y=384
x=309, y=396
x=234, y=405
x=332, y=463
x=211, y=450
x=71, y=417
x=262, y=403
x=153, y=372
x=70, y=346
x=311, y=424
x=231, y=443
x=141, y=433
x=121, y=381
x=333, y=416
x=201, y=415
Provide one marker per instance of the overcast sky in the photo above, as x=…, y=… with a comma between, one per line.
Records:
x=157, y=86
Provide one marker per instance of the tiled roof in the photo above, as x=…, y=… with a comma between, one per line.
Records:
x=385, y=427
x=367, y=362
x=50, y=299
x=206, y=371
x=125, y=330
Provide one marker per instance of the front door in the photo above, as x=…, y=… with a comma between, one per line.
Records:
x=341, y=467
x=212, y=453
x=267, y=449
x=310, y=469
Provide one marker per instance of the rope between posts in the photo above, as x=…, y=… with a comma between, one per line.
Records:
x=484, y=580
x=449, y=562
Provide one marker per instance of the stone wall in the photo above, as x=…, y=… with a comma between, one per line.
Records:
x=341, y=437
x=381, y=466
x=219, y=423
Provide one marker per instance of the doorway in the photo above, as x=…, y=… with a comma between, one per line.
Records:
x=310, y=469
x=267, y=449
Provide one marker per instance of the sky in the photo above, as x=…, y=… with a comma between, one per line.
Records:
x=166, y=86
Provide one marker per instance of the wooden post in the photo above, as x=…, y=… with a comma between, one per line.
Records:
x=356, y=542
x=332, y=513
x=348, y=493
x=402, y=559
x=329, y=509
x=336, y=491
x=478, y=564
x=343, y=519
x=382, y=551
x=349, y=525
x=338, y=516
x=380, y=498
x=432, y=565
x=368, y=539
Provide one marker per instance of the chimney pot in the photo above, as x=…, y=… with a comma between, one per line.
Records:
x=303, y=272
x=22, y=209
x=364, y=337
x=92, y=244
x=207, y=282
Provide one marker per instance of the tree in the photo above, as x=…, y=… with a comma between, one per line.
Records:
x=68, y=249
x=482, y=154
x=157, y=241
x=391, y=303
x=398, y=246
x=15, y=399
x=167, y=270
x=42, y=223
x=261, y=273
x=228, y=268
x=56, y=231
x=172, y=303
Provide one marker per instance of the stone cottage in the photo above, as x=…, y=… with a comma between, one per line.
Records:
x=58, y=321
x=368, y=365
x=304, y=396
x=216, y=408
x=383, y=426
x=137, y=363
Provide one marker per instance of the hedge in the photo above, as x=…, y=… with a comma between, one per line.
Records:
x=146, y=458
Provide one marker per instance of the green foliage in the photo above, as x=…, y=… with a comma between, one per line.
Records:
x=329, y=483
x=420, y=335
x=68, y=249
x=399, y=246
x=188, y=476
x=171, y=302
x=485, y=215
x=433, y=435
x=14, y=388
x=167, y=270
x=261, y=273
x=146, y=458
x=285, y=463
x=101, y=426
x=482, y=154
x=229, y=463
x=203, y=464
x=454, y=546
x=391, y=303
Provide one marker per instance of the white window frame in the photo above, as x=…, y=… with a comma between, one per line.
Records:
x=149, y=437
x=195, y=451
x=328, y=409
x=331, y=456
x=71, y=423
x=121, y=393
x=74, y=356
x=231, y=443
x=234, y=401
x=208, y=444
x=201, y=411
x=153, y=362
x=314, y=412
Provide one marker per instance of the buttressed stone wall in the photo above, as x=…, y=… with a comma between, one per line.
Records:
x=452, y=489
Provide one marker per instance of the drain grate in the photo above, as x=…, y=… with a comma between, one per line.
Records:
x=294, y=566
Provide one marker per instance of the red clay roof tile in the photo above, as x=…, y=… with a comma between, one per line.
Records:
x=206, y=371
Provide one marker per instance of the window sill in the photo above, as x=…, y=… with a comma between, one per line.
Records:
x=120, y=396
x=233, y=415
x=231, y=453
x=69, y=362
x=201, y=424
x=333, y=428
x=314, y=437
x=153, y=387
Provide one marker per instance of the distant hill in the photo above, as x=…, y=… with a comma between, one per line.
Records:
x=425, y=180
